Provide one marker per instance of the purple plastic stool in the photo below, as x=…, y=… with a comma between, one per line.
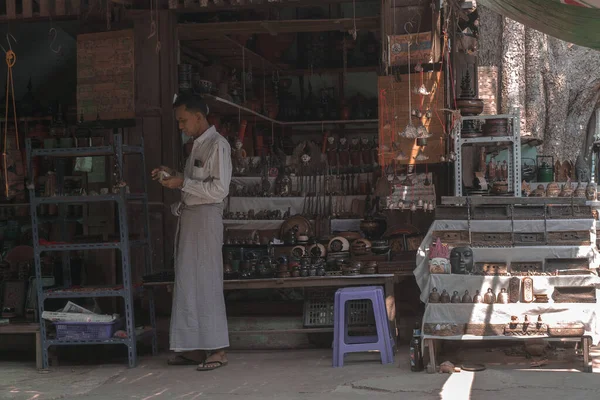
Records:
x=342, y=343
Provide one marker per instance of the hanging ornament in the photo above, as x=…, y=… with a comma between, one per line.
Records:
x=422, y=132
x=413, y=206
x=420, y=203
x=431, y=206
x=452, y=156
x=421, y=156
x=428, y=114
x=423, y=90
x=442, y=158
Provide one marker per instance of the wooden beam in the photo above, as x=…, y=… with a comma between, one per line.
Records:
x=27, y=8
x=11, y=9
x=259, y=4
x=187, y=31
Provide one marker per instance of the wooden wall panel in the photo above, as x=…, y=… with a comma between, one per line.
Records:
x=394, y=112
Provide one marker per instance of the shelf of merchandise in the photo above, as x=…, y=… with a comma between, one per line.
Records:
x=509, y=254
x=126, y=289
x=514, y=154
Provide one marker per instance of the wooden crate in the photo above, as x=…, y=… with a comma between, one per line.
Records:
x=451, y=213
x=491, y=239
x=525, y=212
x=529, y=239
x=491, y=268
x=451, y=237
x=557, y=264
x=569, y=238
x=526, y=267
x=493, y=212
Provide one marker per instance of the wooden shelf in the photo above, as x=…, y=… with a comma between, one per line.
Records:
x=222, y=106
x=196, y=31
x=230, y=53
x=329, y=71
x=219, y=105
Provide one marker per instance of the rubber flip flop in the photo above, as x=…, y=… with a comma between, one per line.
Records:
x=211, y=365
x=181, y=360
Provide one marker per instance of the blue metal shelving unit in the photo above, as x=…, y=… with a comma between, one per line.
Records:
x=126, y=290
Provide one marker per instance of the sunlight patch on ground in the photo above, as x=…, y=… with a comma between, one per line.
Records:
x=458, y=386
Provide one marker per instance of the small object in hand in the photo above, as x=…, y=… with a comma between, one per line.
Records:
x=162, y=175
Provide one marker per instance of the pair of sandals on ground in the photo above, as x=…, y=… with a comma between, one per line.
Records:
x=201, y=360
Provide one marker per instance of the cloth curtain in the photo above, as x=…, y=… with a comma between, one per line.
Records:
x=574, y=21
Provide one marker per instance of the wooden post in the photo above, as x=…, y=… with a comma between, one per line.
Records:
x=75, y=7
x=27, y=8
x=11, y=9
x=44, y=8
x=60, y=7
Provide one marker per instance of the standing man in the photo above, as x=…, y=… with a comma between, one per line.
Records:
x=199, y=333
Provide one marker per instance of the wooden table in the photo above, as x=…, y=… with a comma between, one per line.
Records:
x=21, y=328
x=585, y=341
x=385, y=280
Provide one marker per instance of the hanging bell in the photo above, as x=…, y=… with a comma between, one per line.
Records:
x=428, y=114
x=387, y=127
x=413, y=207
x=421, y=156
x=452, y=156
x=422, y=132
x=442, y=158
x=420, y=203
x=414, y=112
x=431, y=206
x=410, y=132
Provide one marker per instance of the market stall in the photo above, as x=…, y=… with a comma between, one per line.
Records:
x=520, y=277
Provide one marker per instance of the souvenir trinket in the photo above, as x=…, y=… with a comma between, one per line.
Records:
x=502, y=297
x=444, y=297
x=527, y=290
x=439, y=255
x=591, y=192
x=477, y=298
x=461, y=260
x=552, y=190
x=434, y=296
x=455, y=297
x=514, y=289
x=489, y=297
x=580, y=191
x=467, y=298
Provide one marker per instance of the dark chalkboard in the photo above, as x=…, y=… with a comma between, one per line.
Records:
x=105, y=75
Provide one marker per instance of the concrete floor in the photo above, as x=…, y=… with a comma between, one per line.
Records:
x=294, y=375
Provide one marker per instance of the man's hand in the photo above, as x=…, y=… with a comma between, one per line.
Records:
x=156, y=173
x=172, y=182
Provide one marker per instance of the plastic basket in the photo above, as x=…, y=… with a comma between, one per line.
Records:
x=87, y=330
x=319, y=305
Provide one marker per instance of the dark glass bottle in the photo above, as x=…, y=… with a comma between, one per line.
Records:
x=416, y=353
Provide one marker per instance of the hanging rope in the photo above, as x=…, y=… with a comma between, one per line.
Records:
x=11, y=59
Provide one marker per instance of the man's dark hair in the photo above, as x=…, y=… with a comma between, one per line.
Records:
x=192, y=102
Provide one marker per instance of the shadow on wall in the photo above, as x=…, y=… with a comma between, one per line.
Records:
x=53, y=75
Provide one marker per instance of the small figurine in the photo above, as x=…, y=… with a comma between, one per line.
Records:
x=439, y=255
x=455, y=297
x=489, y=297
x=332, y=151
x=434, y=296
x=444, y=297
